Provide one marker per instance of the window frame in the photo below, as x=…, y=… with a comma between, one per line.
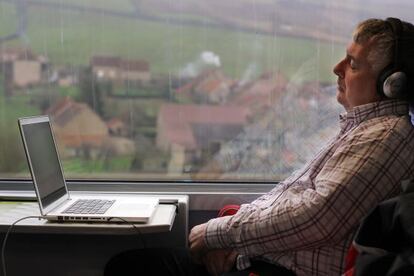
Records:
x=203, y=195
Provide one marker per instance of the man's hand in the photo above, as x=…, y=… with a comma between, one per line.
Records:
x=197, y=245
x=219, y=261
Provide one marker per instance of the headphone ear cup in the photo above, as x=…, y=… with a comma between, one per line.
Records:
x=381, y=79
x=394, y=85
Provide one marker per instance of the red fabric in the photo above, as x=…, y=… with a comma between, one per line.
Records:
x=228, y=210
x=350, y=261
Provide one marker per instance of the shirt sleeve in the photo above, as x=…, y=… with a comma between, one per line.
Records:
x=364, y=170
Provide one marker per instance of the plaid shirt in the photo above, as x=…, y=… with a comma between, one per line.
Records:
x=307, y=223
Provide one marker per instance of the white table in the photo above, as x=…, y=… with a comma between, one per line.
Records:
x=11, y=211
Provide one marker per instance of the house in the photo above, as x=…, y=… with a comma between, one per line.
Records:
x=115, y=146
x=12, y=54
x=26, y=72
x=210, y=87
x=120, y=70
x=106, y=67
x=260, y=94
x=79, y=130
x=197, y=130
x=117, y=127
x=135, y=70
x=65, y=76
x=22, y=67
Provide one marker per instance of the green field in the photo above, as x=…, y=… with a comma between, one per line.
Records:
x=14, y=107
x=115, y=5
x=80, y=166
x=11, y=108
x=8, y=20
x=68, y=37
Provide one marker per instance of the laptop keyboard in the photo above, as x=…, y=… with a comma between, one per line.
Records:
x=89, y=206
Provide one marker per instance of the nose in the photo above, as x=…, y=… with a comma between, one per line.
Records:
x=338, y=69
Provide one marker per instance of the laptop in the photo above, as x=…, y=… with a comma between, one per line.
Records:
x=55, y=201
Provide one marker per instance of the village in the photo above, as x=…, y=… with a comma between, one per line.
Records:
x=172, y=125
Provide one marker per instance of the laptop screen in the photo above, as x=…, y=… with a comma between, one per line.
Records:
x=46, y=171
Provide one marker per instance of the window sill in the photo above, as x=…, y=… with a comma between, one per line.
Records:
x=203, y=195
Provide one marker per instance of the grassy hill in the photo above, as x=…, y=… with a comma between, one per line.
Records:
x=72, y=37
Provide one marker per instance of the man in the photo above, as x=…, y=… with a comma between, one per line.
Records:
x=305, y=225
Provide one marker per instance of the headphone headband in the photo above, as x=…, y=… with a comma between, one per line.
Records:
x=397, y=29
x=392, y=81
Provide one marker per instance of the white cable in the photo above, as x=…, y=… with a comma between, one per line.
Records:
x=3, y=248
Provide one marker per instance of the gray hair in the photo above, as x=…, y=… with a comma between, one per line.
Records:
x=380, y=31
x=381, y=54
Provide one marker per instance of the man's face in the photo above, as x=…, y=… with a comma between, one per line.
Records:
x=356, y=77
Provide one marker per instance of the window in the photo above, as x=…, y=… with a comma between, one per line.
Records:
x=160, y=89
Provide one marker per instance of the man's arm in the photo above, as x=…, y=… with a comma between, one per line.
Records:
x=197, y=245
x=217, y=261
x=352, y=182
x=220, y=261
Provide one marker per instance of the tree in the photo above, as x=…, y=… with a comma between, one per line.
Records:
x=93, y=92
x=11, y=151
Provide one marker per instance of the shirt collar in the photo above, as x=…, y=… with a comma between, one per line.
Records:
x=368, y=111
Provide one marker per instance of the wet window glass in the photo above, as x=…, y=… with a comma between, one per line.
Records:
x=176, y=90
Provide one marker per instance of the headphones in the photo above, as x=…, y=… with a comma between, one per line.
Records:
x=392, y=81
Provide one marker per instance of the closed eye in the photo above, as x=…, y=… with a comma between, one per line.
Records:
x=353, y=64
